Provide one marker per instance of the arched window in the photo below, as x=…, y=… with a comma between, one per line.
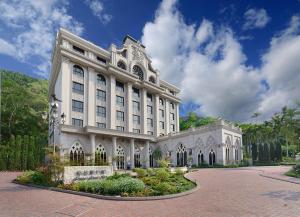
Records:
x=152, y=79
x=124, y=53
x=212, y=157
x=161, y=101
x=181, y=156
x=120, y=158
x=77, y=155
x=172, y=105
x=227, y=150
x=150, y=158
x=101, y=80
x=77, y=70
x=138, y=71
x=121, y=65
x=100, y=155
x=200, y=158
x=137, y=157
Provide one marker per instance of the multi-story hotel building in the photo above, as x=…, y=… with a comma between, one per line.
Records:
x=118, y=110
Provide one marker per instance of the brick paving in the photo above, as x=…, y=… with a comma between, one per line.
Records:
x=239, y=192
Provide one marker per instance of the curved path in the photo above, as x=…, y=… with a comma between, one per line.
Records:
x=240, y=192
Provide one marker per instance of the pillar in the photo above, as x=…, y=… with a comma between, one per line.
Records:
x=93, y=147
x=132, y=153
x=112, y=102
x=114, y=152
x=147, y=154
x=167, y=114
x=90, y=104
x=144, y=112
x=177, y=128
x=129, y=107
x=156, y=115
x=65, y=81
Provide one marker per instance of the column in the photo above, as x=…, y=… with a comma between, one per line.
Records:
x=93, y=145
x=147, y=154
x=64, y=94
x=129, y=107
x=114, y=152
x=112, y=97
x=132, y=153
x=167, y=113
x=144, y=111
x=177, y=118
x=156, y=115
x=90, y=105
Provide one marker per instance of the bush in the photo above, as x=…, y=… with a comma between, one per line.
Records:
x=162, y=163
x=297, y=168
x=178, y=171
x=140, y=172
x=165, y=188
x=150, y=172
x=162, y=174
x=34, y=177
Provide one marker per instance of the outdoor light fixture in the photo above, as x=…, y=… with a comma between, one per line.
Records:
x=63, y=118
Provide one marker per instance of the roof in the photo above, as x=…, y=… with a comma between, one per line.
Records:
x=132, y=39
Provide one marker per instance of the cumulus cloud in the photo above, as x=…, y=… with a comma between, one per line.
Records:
x=31, y=27
x=208, y=64
x=256, y=18
x=98, y=10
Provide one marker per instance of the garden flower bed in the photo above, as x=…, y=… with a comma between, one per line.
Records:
x=147, y=183
x=295, y=172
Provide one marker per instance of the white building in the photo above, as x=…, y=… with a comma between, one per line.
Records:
x=118, y=110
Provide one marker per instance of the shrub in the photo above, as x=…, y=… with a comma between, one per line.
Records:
x=162, y=163
x=34, y=177
x=297, y=168
x=162, y=174
x=150, y=172
x=165, y=188
x=178, y=171
x=140, y=172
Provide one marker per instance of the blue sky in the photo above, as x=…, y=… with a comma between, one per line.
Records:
x=230, y=58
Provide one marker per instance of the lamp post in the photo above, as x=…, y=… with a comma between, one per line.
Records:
x=54, y=118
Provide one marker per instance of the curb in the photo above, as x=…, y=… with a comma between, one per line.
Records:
x=117, y=198
x=280, y=179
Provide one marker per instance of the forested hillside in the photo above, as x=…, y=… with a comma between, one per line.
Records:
x=23, y=131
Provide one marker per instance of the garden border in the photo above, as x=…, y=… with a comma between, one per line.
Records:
x=117, y=198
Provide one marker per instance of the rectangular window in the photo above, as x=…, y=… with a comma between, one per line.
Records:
x=101, y=95
x=136, y=130
x=136, y=119
x=120, y=101
x=119, y=86
x=150, y=133
x=149, y=98
x=162, y=113
x=149, y=122
x=78, y=50
x=120, y=116
x=162, y=125
x=77, y=106
x=149, y=110
x=172, y=127
x=101, y=111
x=101, y=80
x=78, y=88
x=101, y=125
x=136, y=106
x=135, y=92
x=101, y=60
x=120, y=128
x=77, y=122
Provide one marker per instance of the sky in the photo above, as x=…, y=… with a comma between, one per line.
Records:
x=229, y=58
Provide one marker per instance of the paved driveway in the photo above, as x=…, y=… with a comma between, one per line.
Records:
x=237, y=192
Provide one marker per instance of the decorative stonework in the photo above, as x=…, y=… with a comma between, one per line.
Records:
x=137, y=54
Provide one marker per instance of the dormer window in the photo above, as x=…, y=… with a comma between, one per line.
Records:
x=172, y=92
x=78, y=50
x=138, y=71
x=121, y=65
x=152, y=79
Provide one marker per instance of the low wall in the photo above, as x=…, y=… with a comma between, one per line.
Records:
x=76, y=173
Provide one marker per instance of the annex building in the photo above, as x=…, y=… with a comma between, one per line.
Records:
x=118, y=111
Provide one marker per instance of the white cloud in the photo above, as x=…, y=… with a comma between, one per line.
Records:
x=208, y=64
x=98, y=10
x=256, y=18
x=31, y=27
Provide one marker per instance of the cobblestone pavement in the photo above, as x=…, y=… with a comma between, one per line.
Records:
x=239, y=192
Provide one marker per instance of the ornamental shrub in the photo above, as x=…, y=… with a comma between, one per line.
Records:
x=297, y=168
x=140, y=172
x=34, y=177
x=162, y=174
x=165, y=188
x=162, y=163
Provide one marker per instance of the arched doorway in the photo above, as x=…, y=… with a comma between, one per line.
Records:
x=181, y=156
x=137, y=157
x=212, y=158
x=150, y=158
x=77, y=155
x=120, y=158
x=200, y=158
x=100, y=155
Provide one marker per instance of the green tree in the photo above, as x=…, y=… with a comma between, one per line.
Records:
x=254, y=152
x=25, y=143
x=266, y=156
x=18, y=162
x=260, y=153
x=272, y=152
x=30, y=155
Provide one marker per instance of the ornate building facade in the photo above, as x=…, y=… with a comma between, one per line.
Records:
x=118, y=110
